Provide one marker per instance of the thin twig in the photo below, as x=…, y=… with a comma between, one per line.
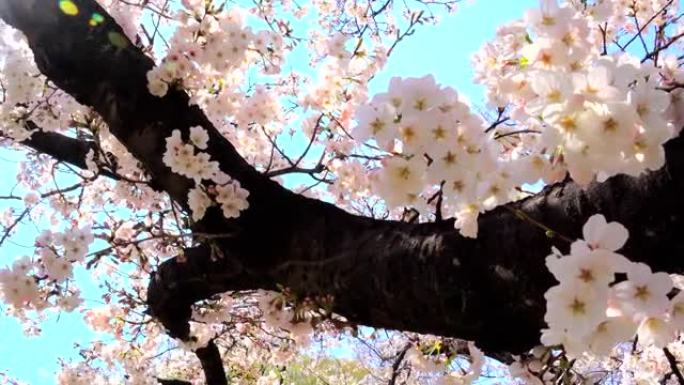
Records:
x=673, y=365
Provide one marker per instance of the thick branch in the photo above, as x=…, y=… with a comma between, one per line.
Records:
x=419, y=277
x=60, y=147
x=212, y=365
x=427, y=278
x=64, y=149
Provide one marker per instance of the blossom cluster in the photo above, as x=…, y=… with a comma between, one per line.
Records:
x=183, y=159
x=28, y=282
x=209, y=47
x=279, y=316
x=209, y=56
x=592, y=311
x=253, y=118
x=596, y=113
x=26, y=94
x=565, y=105
x=19, y=288
x=433, y=139
x=343, y=76
x=649, y=366
x=186, y=159
x=437, y=363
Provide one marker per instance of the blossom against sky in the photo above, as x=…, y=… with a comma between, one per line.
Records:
x=573, y=98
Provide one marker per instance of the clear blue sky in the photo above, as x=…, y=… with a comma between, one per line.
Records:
x=443, y=51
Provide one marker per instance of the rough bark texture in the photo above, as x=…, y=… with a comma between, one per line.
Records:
x=418, y=277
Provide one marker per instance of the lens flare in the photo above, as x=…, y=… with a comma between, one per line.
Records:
x=118, y=40
x=95, y=19
x=68, y=7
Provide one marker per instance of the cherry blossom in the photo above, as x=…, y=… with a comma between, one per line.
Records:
x=570, y=97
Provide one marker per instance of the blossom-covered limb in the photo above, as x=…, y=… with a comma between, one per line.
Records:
x=426, y=277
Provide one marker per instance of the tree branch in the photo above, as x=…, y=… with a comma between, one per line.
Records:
x=212, y=365
x=673, y=365
x=163, y=381
x=397, y=363
x=65, y=149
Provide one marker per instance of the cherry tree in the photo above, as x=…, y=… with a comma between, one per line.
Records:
x=237, y=212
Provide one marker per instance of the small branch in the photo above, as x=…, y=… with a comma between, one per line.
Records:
x=439, y=196
x=516, y=132
x=292, y=170
x=275, y=146
x=604, y=31
x=640, y=30
x=551, y=233
x=397, y=363
x=13, y=225
x=311, y=141
x=415, y=19
x=172, y=382
x=381, y=9
x=667, y=45
x=673, y=365
x=500, y=119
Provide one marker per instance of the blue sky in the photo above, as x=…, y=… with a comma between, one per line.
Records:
x=443, y=51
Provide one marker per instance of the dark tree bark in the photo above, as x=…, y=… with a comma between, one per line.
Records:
x=418, y=277
x=64, y=148
x=172, y=382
